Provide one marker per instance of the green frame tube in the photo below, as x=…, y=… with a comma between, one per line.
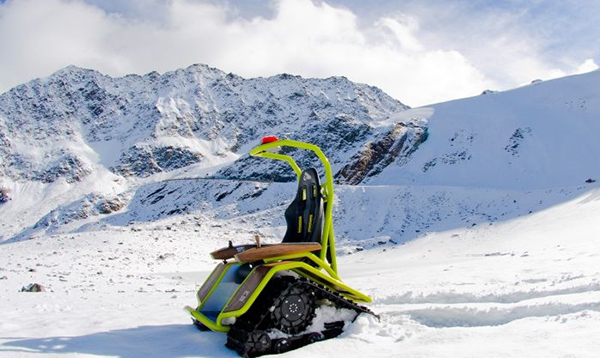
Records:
x=328, y=239
x=299, y=267
x=322, y=270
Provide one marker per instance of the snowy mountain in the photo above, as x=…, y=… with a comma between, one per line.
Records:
x=80, y=120
x=80, y=134
x=472, y=223
x=538, y=136
x=79, y=140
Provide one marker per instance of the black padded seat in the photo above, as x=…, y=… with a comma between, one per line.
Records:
x=304, y=216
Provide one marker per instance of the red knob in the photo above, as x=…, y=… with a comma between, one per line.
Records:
x=266, y=140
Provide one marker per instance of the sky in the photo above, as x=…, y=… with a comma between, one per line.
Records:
x=418, y=52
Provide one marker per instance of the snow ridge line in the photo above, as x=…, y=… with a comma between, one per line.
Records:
x=478, y=314
x=512, y=297
x=466, y=316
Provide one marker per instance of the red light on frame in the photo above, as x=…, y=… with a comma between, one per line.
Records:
x=266, y=140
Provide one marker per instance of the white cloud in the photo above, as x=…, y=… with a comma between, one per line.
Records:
x=587, y=66
x=303, y=37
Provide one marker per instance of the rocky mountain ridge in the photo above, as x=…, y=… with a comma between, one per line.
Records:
x=81, y=151
x=79, y=131
x=136, y=126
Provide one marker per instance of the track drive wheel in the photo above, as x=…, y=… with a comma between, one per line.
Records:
x=281, y=345
x=258, y=343
x=294, y=309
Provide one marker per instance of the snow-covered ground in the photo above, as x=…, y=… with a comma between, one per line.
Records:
x=483, y=242
x=525, y=287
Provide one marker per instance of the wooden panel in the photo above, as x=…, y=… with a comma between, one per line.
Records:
x=210, y=282
x=247, y=288
x=229, y=252
x=266, y=252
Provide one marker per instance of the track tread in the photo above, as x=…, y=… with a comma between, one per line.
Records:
x=260, y=318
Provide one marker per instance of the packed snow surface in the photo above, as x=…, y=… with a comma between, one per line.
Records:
x=483, y=242
x=525, y=287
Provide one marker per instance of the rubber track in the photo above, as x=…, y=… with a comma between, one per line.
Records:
x=258, y=317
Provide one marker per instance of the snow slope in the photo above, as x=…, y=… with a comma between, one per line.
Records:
x=527, y=287
x=538, y=136
x=481, y=242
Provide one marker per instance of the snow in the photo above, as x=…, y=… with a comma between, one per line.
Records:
x=528, y=286
x=490, y=253
x=537, y=136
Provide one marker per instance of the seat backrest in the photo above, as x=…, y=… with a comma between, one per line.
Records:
x=304, y=216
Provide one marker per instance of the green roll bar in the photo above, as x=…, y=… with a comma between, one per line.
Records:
x=328, y=239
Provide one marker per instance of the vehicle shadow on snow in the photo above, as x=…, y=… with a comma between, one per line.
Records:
x=170, y=341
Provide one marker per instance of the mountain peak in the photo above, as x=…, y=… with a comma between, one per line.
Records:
x=163, y=122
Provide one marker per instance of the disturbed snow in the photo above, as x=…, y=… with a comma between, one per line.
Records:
x=528, y=286
x=483, y=244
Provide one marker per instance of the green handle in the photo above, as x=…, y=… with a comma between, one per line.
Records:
x=328, y=239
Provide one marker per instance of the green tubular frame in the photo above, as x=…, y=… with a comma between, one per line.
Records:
x=328, y=239
x=299, y=267
x=329, y=277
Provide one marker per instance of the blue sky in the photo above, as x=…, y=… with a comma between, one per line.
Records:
x=419, y=52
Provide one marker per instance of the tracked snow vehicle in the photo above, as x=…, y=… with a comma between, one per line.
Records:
x=273, y=298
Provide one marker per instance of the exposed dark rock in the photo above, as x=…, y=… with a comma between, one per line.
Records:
x=69, y=167
x=59, y=164
x=488, y=91
x=250, y=168
x=401, y=141
x=448, y=159
x=516, y=139
x=4, y=140
x=33, y=287
x=91, y=205
x=108, y=206
x=145, y=161
x=4, y=195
